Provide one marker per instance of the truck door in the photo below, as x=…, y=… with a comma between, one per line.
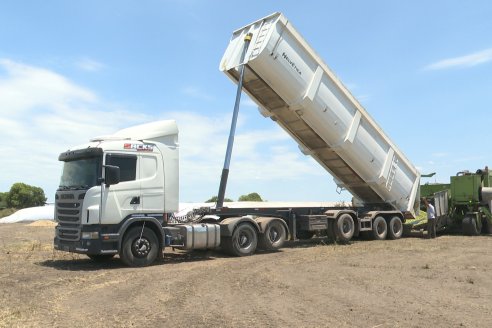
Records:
x=123, y=199
x=152, y=184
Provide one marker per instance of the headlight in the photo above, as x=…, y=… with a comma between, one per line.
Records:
x=90, y=235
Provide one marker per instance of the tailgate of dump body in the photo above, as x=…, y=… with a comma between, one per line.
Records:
x=295, y=88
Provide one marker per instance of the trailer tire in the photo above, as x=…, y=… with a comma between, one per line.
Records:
x=379, y=228
x=330, y=231
x=469, y=226
x=274, y=236
x=395, y=228
x=140, y=247
x=243, y=241
x=344, y=228
x=100, y=257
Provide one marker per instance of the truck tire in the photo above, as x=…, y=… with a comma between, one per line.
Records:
x=140, y=247
x=486, y=227
x=379, y=228
x=100, y=257
x=274, y=236
x=243, y=241
x=469, y=226
x=344, y=228
x=395, y=228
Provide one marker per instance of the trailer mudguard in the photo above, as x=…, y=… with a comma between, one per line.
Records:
x=265, y=220
x=228, y=225
x=335, y=214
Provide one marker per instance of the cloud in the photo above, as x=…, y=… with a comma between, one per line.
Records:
x=246, y=101
x=43, y=113
x=267, y=154
x=88, y=64
x=197, y=93
x=25, y=87
x=470, y=60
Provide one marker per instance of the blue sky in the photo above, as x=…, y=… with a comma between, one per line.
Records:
x=72, y=70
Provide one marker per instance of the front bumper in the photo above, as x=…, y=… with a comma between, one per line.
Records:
x=105, y=243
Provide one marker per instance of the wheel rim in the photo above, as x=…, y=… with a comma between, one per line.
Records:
x=380, y=228
x=397, y=227
x=346, y=226
x=274, y=235
x=141, y=247
x=244, y=239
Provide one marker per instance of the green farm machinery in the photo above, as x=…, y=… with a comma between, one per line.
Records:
x=463, y=205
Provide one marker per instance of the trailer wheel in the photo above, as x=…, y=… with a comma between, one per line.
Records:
x=469, y=226
x=100, y=257
x=274, y=236
x=140, y=247
x=243, y=241
x=345, y=228
x=395, y=229
x=379, y=228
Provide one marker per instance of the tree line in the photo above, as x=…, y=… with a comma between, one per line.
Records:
x=252, y=197
x=22, y=195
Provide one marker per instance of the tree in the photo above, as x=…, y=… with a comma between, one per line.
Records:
x=3, y=199
x=22, y=195
x=253, y=197
x=214, y=200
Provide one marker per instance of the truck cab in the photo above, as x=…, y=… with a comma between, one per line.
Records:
x=114, y=183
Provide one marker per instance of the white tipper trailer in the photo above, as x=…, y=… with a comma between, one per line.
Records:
x=118, y=193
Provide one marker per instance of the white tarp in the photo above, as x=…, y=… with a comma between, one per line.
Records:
x=185, y=209
x=46, y=212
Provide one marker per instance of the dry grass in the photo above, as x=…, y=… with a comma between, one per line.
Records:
x=6, y=212
x=42, y=223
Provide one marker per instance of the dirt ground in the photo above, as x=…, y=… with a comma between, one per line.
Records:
x=411, y=282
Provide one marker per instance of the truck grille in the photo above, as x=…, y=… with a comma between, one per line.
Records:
x=68, y=205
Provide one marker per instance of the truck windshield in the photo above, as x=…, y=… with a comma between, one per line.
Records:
x=81, y=173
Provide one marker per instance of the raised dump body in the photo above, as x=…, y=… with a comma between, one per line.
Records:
x=296, y=89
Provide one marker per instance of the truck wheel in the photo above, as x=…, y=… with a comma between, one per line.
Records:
x=345, y=228
x=274, y=236
x=100, y=257
x=395, y=229
x=243, y=241
x=469, y=226
x=139, y=248
x=486, y=227
x=379, y=228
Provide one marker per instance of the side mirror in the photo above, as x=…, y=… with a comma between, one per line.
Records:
x=111, y=174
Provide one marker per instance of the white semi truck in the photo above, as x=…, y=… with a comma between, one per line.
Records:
x=118, y=193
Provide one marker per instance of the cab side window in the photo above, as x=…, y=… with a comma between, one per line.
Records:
x=127, y=165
